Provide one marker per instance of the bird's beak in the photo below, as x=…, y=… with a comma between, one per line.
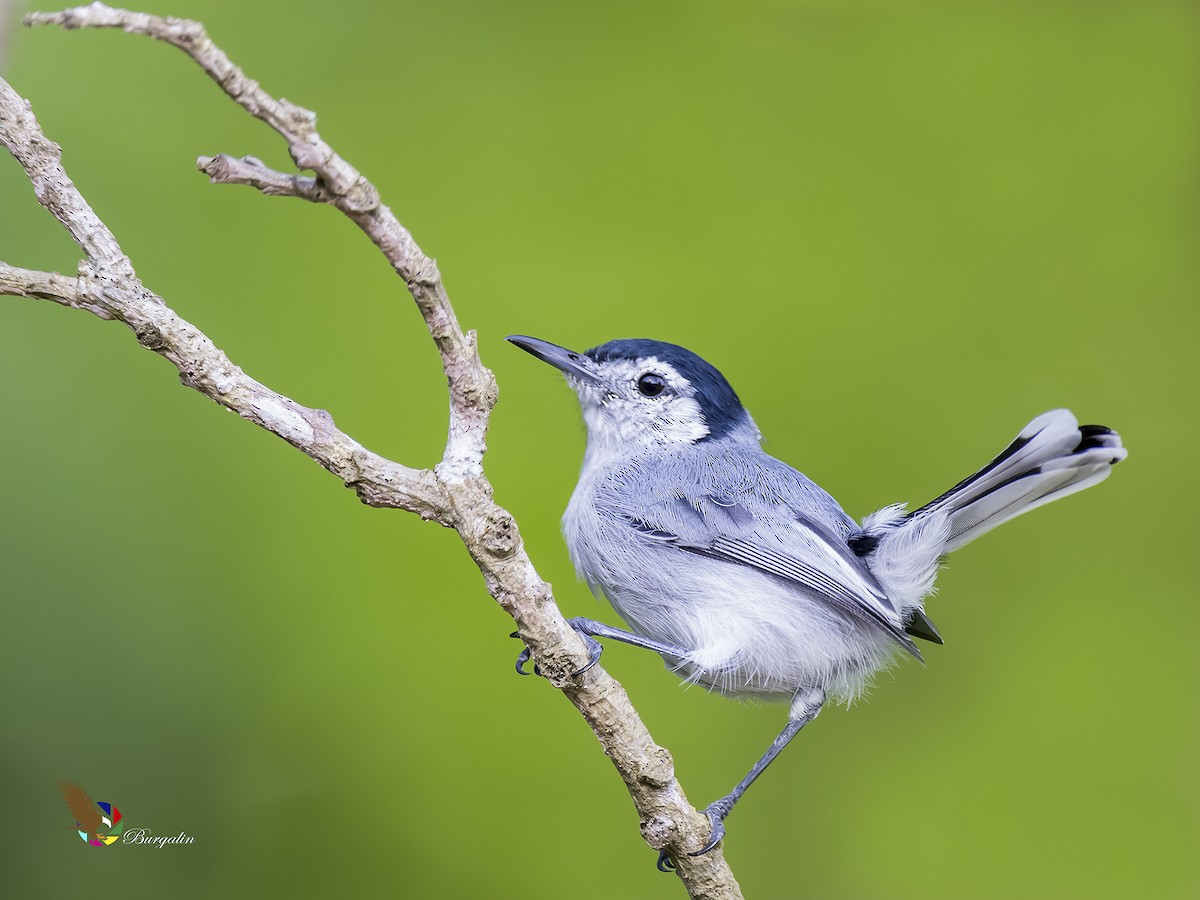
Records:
x=569, y=362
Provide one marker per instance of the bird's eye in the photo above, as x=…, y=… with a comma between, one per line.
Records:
x=651, y=385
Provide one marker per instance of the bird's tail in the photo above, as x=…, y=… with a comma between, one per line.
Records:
x=1052, y=457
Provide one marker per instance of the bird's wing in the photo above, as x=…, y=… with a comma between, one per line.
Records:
x=771, y=528
x=86, y=813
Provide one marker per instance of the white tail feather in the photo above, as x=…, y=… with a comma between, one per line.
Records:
x=1051, y=458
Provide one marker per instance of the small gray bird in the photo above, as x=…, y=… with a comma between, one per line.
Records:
x=743, y=574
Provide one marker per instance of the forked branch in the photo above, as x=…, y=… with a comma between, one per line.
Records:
x=454, y=493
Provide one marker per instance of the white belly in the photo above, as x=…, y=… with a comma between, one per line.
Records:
x=745, y=632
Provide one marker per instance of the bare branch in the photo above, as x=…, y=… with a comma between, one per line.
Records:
x=108, y=287
x=224, y=169
x=470, y=381
x=45, y=286
x=295, y=124
x=454, y=493
x=41, y=159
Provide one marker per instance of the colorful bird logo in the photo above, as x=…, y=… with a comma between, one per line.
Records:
x=99, y=823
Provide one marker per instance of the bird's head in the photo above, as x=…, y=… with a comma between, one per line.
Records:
x=639, y=394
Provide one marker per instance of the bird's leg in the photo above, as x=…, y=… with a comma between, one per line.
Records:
x=590, y=629
x=805, y=706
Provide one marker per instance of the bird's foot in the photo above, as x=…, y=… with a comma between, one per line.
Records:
x=523, y=657
x=716, y=812
x=593, y=645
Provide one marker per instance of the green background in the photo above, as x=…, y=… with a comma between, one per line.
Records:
x=900, y=229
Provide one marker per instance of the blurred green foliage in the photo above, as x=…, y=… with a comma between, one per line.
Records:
x=900, y=229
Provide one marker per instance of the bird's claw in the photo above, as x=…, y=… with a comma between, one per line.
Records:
x=716, y=818
x=523, y=657
x=716, y=813
x=595, y=648
x=593, y=645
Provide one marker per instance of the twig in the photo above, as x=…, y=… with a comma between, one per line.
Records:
x=46, y=286
x=454, y=493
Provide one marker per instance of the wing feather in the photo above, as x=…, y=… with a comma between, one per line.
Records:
x=86, y=813
x=803, y=552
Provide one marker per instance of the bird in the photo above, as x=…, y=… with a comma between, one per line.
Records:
x=88, y=817
x=742, y=573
